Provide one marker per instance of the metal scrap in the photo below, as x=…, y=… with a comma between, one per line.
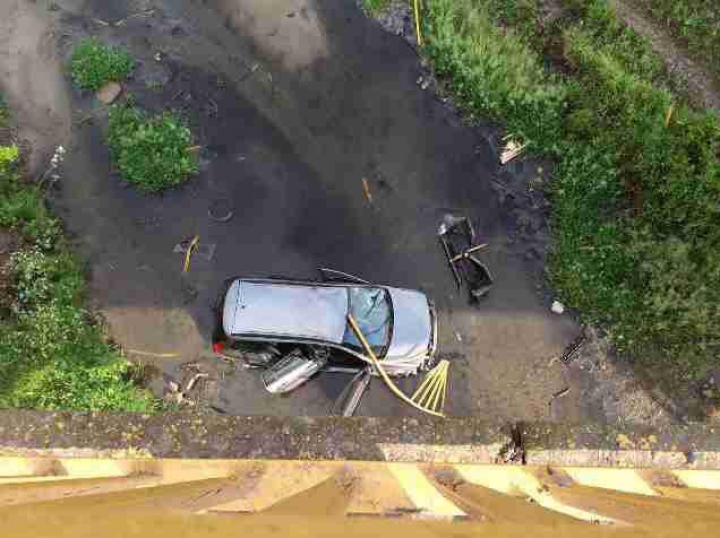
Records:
x=512, y=150
x=573, y=348
x=457, y=237
x=193, y=381
x=349, y=399
x=203, y=250
x=366, y=190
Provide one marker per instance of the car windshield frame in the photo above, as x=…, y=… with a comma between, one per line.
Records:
x=350, y=340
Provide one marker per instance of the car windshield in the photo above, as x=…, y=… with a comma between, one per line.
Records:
x=370, y=307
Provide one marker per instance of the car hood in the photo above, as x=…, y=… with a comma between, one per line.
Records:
x=285, y=310
x=412, y=328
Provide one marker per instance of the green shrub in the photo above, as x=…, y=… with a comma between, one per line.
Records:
x=493, y=73
x=42, y=278
x=8, y=158
x=53, y=358
x=22, y=207
x=51, y=354
x=150, y=152
x=375, y=6
x=94, y=64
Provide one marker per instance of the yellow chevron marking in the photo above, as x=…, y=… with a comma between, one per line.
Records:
x=699, y=479
x=422, y=493
x=516, y=481
x=625, y=480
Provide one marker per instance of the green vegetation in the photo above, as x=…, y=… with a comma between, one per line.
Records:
x=636, y=201
x=696, y=22
x=151, y=152
x=375, y=6
x=51, y=355
x=94, y=64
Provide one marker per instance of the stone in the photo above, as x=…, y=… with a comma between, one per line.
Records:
x=109, y=93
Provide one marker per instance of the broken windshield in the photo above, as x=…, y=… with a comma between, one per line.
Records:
x=371, y=309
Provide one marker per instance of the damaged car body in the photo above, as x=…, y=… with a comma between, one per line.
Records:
x=296, y=328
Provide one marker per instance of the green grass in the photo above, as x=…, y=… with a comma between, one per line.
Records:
x=94, y=64
x=375, y=6
x=695, y=22
x=636, y=204
x=150, y=152
x=51, y=355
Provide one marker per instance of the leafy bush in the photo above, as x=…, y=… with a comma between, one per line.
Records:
x=94, y=64
x=42, y=278
x=151, y=152
x=8, y=158
x=51, y=355
x=22, y=206
x=52, y=358
x=636, y=201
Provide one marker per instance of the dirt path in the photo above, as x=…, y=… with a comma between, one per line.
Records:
x=294, y=102
x=702, y=85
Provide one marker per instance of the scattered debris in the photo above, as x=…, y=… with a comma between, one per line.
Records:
x=573, y=348
x=151, y=354
x=457, y=237
x=514, y=451
x=561, y=393
x=385, y=377
x=512, y=150
x=349, y=399
x=52, y=172
x=84, y=120
x=147, y=13
x=669, y=115
x=557, y=307
x=290, y=372
x=189, y=252
x=193, y=381
x=109, y=93
x=366, y=190
x=203, y=250
x=423, y=82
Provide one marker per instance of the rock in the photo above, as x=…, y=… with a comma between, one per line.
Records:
x=108, y=93
x=557, y=307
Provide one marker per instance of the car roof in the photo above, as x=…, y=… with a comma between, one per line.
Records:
x=284, y=309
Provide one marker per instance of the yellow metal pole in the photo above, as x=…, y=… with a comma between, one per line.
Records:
x=396, y=391
x=417, y=22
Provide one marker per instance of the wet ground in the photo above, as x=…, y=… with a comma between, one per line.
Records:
x=294, y=102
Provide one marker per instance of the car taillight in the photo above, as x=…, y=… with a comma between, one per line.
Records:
x=218, y=347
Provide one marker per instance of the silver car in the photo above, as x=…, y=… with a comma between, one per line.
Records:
x=308, y=320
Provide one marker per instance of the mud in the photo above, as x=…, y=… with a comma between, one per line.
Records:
x=294, y=102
